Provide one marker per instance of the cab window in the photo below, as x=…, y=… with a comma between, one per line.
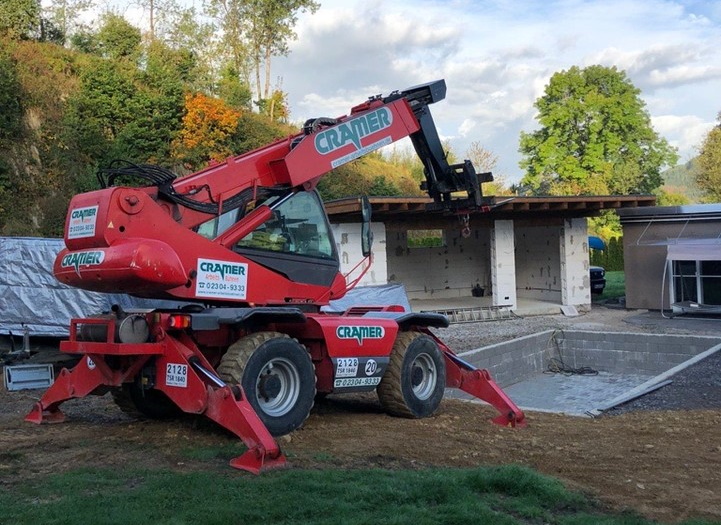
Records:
x=298, y=226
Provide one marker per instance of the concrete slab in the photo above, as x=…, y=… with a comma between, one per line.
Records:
x=577, y=395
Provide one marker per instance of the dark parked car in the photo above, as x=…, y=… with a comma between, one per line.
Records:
x=598, y=279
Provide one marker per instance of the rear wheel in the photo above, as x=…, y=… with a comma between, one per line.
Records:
x=150, y=403
x=278, y=378
x=414, y=382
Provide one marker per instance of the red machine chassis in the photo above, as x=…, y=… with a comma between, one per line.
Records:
x=205, y=394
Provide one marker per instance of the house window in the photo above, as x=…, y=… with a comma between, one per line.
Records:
x=697, y=281
x=425, y=238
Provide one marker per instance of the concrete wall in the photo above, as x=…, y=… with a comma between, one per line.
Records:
x=630, y=353
x=348, y=243
x=514, y=360
x=538, y=262
x=444, y=272
x=508, y=259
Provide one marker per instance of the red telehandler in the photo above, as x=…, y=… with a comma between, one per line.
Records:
x=246, y=247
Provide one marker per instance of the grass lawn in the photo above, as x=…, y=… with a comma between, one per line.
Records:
x=503, y=495
x=615, y=287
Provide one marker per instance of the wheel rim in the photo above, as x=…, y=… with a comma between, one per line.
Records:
x=423, y=376
x=278, y=387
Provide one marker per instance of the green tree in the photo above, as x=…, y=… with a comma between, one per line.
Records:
x=709, y=160
x=64, y=14
x=19, y=18
x=99, y=111
x=596, y=137
x=270, y=30
x=666, y=197
x=231, y=16
x=188, y=32
x=118, y=38
x=232, y=89
x=12, y=113
x=254, y=31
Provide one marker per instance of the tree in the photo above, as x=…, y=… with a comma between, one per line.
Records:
x=254, y=31
x=12, y=113
x=207, y=132
x=596, y=137
x=485, y=160
x=271, y=28
x=19, y=18
x=232, y=17
x=64, y=14
x=709, y=173
x=189, y=33
x=118, y=38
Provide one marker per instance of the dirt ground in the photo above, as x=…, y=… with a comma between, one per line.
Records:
x=663, y=464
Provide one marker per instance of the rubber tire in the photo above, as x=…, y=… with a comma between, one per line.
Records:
x=152, y=404
x=246, y=359
x=395, y=390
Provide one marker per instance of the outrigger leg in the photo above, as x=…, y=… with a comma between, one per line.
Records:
x=194, y=388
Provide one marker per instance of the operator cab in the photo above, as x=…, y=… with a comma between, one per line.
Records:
x=295, y=241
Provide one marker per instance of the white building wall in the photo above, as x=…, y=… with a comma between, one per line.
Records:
x=575, y=279
x=445, y=272
x=538, y=262
x=348, y=242
x=503, y=264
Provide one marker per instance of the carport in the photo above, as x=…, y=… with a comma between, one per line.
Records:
x=525, y=254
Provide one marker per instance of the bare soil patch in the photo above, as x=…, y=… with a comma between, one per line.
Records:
x=660, y=462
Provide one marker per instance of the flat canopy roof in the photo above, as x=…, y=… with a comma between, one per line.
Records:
x=498, y=207
x=667, y=213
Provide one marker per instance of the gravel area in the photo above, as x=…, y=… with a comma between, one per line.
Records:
x=696, y=387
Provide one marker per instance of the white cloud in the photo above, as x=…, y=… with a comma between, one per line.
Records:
x=685, y=132
x=498, y=55
x=466, y=127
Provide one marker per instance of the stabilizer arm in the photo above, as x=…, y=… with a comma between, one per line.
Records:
x=195, y=389
x=478, y=383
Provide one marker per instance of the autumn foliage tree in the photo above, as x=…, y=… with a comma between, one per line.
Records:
x=709, y=173
x=207, y=131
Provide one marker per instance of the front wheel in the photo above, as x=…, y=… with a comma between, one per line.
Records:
x=414, y=382
x=278, y=378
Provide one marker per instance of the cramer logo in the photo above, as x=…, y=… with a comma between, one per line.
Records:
x=84, y=213
x=222, y=268
x=352, y=131
x=359, y=333
x=78, y=259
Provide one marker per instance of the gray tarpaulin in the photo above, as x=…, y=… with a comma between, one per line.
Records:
x=30, y=294
x=386, y=294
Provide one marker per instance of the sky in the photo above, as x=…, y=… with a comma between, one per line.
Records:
x=497, y=56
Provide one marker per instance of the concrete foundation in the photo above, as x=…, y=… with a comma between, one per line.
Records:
x=625, y=362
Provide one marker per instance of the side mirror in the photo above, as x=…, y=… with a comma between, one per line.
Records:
x=366, y=233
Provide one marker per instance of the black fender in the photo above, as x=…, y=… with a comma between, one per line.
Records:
x=406, y=320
